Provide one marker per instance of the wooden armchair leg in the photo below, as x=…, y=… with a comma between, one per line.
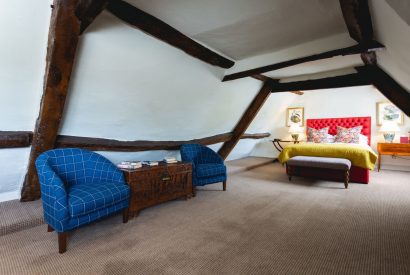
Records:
x=347, y=179
x=49, y=228
x=62, y=242
x=125, y=215
x=224, y=185
x=193, y=191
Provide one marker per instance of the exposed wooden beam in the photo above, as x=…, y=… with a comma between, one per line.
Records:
x=349, y=80
x=357, y=49
x=359, y=23
x=159, y=29
x=392, y=90
x=358, y=20
x=15, y=139
x=62, y=44
x=100, y=144
x=255, y=136
x=88, y=10
x=247, y=118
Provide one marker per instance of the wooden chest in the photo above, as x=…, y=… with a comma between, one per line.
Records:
x=157, y=184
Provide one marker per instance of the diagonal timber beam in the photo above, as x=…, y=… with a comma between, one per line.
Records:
x=247, y=118
x=63, y=38
x=357, y=49
x=359, y=23
x=392, y=90
x=357, y=17
x=159, y=29
x=88, y=10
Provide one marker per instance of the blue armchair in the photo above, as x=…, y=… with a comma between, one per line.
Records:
x=207, y=166
x=78, y=187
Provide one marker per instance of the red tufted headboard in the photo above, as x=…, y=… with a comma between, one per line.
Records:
x=346, y=122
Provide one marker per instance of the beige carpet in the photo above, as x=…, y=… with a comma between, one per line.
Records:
x=262, y=225
x=16, y=216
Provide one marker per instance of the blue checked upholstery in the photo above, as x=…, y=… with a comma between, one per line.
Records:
x=207, y=166
x=78, y=187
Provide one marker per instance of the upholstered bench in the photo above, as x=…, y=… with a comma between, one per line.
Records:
x=333, y=164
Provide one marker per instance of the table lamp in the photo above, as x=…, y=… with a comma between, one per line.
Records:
x=389, y=129
x=295, y=130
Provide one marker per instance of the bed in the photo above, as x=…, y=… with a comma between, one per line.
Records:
x=359, y=171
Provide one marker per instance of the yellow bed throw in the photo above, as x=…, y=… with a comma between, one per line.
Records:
x=360, y=155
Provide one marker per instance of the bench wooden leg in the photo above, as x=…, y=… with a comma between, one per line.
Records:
x=224, y=185
x=62, y=242
x=347, y=179
x=288, y=171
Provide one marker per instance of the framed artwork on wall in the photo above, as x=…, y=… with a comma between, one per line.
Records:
x=387, y=111
x=295, y=115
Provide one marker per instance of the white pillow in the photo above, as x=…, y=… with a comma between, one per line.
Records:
x=363, y=139
x=331, y=138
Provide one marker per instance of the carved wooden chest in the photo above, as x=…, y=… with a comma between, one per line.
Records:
x=157, y=184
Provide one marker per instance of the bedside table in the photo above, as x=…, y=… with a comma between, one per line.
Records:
x=392, y=149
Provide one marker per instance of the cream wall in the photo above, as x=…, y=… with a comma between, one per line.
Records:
x=343, y=102
x=23, y=28
x=127, y=85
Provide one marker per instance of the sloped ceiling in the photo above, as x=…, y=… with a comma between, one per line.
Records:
x=402, y=7
x=394, y=32
x=244, y=28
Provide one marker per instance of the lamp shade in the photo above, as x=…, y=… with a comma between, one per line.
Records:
x=295, y=129
x=389, y=126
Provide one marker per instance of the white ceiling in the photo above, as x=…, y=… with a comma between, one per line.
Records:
x=244, y=28
x=402, y=8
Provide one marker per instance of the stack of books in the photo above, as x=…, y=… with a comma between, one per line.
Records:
x=170, y=160
x=129, y=165
x=150, y=163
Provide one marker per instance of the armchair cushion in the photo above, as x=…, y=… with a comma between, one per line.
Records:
x=86, y=198
x=210, y=170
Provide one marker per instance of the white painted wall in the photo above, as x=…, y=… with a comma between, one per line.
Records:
x=128, y=86
x=343, y=102
x=23, y=28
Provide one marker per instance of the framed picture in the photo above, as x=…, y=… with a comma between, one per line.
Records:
x=295, y=115
x=387, y=111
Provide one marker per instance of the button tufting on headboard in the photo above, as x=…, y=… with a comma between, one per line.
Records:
x=347, y=122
